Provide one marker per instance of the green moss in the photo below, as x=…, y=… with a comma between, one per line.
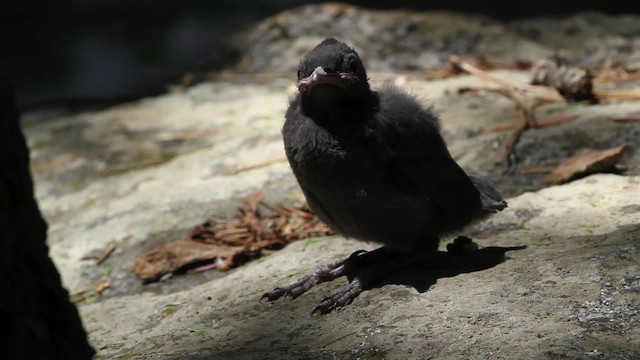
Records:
x=40, y=143
x=169, y=311
x=307, y=242
x=140, y=162
x=111, y=346
x=203, y=329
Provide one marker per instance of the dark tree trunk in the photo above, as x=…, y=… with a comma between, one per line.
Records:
x=37, y=320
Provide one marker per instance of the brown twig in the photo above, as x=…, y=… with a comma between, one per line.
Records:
x=618, y=94
x=604, y=70
x=106, y=253
x=526, y=116
x=80, y=295
x=625, y=118
x=542, y=94
x=193, y=135
x=509, y=144
x=464, y=66
x=538, y=170
x=261, y=164
x=620, y=75
x=550, y=121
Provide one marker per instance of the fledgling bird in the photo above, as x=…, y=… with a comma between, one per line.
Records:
x=374, y=167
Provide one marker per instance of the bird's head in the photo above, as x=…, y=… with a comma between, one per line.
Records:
x=331, y=75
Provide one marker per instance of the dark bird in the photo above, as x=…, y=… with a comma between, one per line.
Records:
x=374, y=167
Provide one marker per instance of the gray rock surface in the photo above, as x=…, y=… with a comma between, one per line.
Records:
x=574, y=292
x=142, y=174
x=409, y=40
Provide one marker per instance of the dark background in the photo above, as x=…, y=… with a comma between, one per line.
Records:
x=56, y=49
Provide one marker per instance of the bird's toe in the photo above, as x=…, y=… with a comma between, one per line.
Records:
x=339, y=299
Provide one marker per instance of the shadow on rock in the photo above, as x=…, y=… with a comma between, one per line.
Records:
x=425, y=270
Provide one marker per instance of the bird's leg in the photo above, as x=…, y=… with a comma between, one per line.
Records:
x=374, y=266
x=363, y=275
x=323, y=273
x=342, y=297
x=363, y=269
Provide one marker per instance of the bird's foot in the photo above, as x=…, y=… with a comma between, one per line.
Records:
x=322, y=273
x=363, y=268
x=342, y=297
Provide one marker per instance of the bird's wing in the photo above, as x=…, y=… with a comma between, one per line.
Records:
x=491, y=199
x=405, y=140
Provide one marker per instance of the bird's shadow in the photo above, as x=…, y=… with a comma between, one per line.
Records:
x=423, y=270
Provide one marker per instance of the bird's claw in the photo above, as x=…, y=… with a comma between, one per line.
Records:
x=342, y=298
x=273, y=294
x=322, y=273
x=358, y=268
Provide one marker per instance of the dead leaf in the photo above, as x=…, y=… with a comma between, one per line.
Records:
x=172, y=256
x=587, y=161
x=227, y=243
x=537, y=170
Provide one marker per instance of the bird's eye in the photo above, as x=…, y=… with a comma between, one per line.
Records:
x=353, y=66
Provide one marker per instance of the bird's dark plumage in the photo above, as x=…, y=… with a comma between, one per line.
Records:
x=373, y=165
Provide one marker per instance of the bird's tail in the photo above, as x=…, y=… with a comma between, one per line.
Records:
x=490, y=197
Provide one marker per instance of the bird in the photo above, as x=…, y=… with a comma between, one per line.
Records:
x=374, y=167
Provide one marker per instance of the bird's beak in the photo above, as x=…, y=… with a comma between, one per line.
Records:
x=319, y=71
x=319, y=76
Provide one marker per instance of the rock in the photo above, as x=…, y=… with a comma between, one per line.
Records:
x=39, y=321
x=392, y=40
x=579, y=236
x=572, y=293
x=632, y=63
x=143, y=174
x=208, y=131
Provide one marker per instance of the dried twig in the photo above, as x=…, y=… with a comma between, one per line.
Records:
x=97, y=288
x=509, y=144
x=254, y=166
x=616, y=76
x=538, y=170
x=226, y=243
x=625, y=118
x=106, y=253
x=617, y=94
x=550, y=121
x=540, y=90
x=542, y=95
